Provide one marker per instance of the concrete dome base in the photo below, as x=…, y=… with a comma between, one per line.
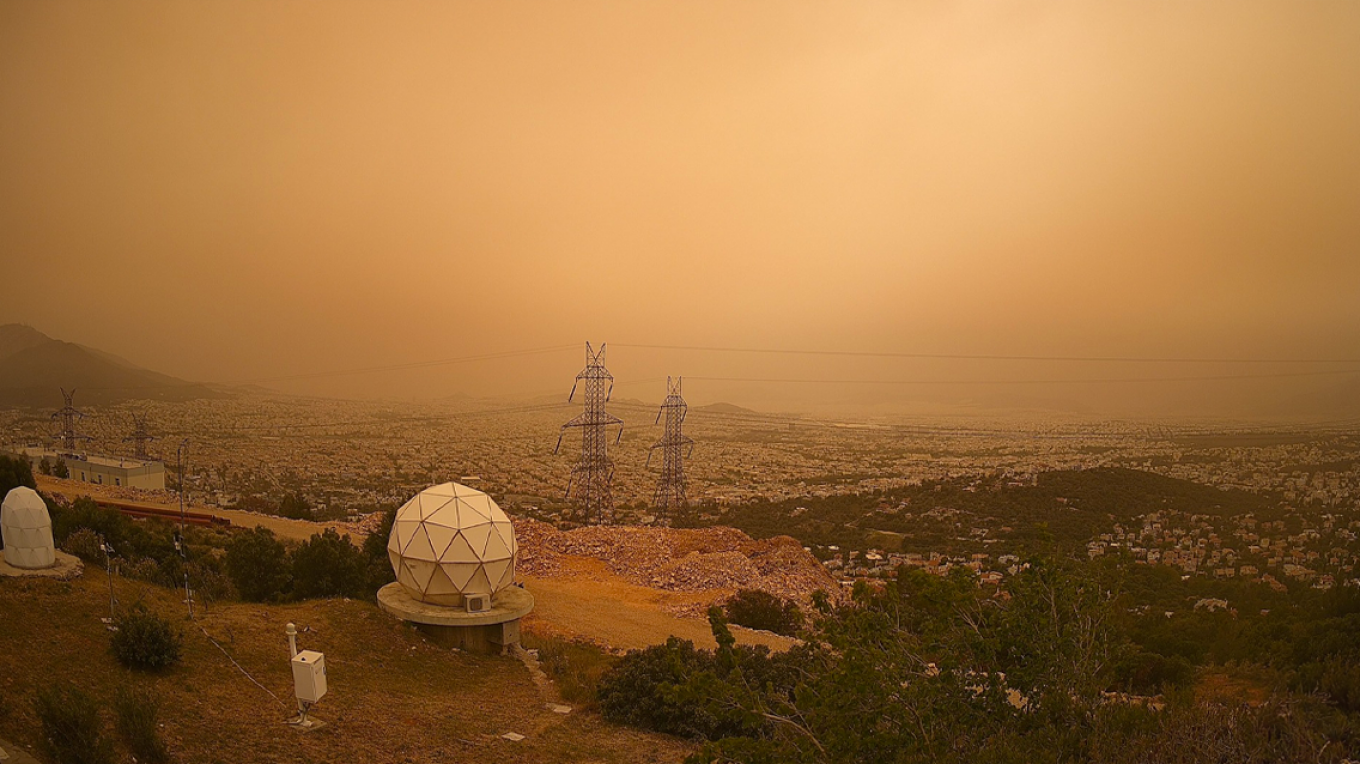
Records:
x=66, y=567
x=490, y=631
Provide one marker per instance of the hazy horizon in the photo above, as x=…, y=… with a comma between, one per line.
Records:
x=233, y=192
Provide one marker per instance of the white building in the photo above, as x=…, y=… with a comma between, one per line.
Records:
x=104, y=470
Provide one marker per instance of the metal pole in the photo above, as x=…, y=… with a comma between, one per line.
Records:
x=108, y=565
x=291, y=631
x=179, y=457
x=181, y=542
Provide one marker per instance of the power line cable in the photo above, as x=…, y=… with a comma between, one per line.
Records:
x=992, y=356
x=1076, y=380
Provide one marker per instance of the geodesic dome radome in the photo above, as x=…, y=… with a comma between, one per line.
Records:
x=26, y=528
x=449, y=542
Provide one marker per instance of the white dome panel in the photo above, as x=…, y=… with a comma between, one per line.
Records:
x=476, y=536
x=460, y=551
x=420, y=547
x=450, y=541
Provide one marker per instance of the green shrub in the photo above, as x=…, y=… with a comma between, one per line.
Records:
x=146, y=569
x=85, y=513
x=755, y=609
x=137, y=710
x=328, y=565
x=660, y=689
x=258, y=565
x=84, y=543
x=145, y=640
x=71, y=731
x=208, y=580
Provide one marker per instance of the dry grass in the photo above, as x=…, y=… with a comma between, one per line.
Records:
x=393, y=698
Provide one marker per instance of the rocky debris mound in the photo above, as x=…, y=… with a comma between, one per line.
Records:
x=679, y=559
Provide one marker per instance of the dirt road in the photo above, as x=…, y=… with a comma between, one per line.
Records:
x=297, y=530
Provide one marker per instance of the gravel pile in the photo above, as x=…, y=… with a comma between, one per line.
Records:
x=673, y=559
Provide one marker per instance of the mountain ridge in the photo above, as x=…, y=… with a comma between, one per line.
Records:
x=34, y=366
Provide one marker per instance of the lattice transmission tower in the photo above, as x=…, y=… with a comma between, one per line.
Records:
x=675, y=448
x=591, y=484
x=66, y=418
x=141, y=435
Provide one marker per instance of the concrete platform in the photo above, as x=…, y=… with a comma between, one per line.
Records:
x=490, y=631
x=67, y=567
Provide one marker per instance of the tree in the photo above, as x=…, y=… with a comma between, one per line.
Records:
x=376, y=561
x=923, y=669
x=258, y=565
x=60, y=470
x=15, y=471
x=295, y=507
x=756, y=609
x=45, y=466
x=328, y=565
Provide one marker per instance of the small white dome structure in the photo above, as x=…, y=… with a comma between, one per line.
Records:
x=450, y=542
x=26, y=528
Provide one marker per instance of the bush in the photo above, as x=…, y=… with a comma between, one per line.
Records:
x=84, y=543
x=85, y=513
x=71, y=732
x=653, y=689
x=208, y=580
x=146, y=569
x=258, y=565
x=137, y=710
x=328, y=565
x=145, y=640
x=755, y=609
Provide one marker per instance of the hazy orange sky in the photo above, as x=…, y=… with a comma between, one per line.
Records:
x=240, y=190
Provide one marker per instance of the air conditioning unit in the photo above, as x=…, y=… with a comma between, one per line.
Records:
x=478, y=603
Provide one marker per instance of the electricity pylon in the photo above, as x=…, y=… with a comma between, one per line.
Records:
x=675, y=448
x=141, y=435
x=591, y=482
x=67, y=416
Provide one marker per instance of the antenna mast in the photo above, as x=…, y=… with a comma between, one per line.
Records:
x=591, y=482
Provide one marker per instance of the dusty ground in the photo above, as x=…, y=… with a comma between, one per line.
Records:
x=586, y=601
x=393, y=697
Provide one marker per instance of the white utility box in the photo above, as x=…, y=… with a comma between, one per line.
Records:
x=309, y=675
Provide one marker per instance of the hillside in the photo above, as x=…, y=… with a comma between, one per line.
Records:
x=589, y=583
x=33, y=366
x=392, y=697
x=1064, y=507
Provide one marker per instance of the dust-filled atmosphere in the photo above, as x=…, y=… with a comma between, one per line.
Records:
x=740, y=382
